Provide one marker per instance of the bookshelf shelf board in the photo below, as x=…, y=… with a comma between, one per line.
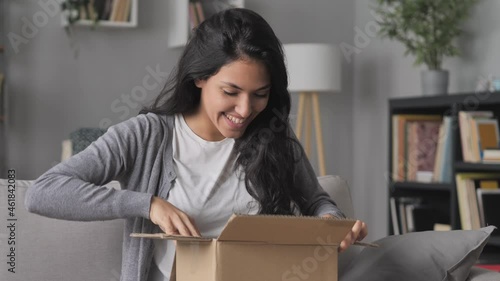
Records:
x=469, y=99
x=494, y=241
x=433, y=186
x=105, y=23
x=490, y=254
x=476, y=167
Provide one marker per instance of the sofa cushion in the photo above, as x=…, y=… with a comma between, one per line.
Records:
x=58, y=250
x=420, y=256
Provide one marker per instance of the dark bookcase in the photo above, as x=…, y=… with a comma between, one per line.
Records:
x=443, y=196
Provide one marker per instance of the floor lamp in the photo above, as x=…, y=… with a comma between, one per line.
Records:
x=312, y=68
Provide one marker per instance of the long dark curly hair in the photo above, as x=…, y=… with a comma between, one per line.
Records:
x=267, y=152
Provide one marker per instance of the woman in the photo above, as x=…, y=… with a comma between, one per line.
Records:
x=216, y=141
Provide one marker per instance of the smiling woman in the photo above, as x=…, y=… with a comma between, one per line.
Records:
x=216, y=141
x=226, y=108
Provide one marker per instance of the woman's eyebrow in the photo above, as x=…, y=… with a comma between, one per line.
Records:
x=239, y=88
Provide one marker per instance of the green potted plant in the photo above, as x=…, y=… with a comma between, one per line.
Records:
x=427, y=28
x=74, y=11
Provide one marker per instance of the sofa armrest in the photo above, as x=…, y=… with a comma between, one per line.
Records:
x=59, y=250
x=338, y=189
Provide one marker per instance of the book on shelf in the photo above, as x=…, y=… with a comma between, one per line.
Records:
x=489, y=206
x=415, y=139
x=441, y=227
x=491, y=156
x=106, y=10
x=478, y=131
x=394, y=216
x=410, y=214
x=468, y=206
x=487, y=130
x=422, y=137
x=488, y=183
x=442, y=166
x=121, y=10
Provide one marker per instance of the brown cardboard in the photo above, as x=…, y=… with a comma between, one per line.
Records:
x=260, y=248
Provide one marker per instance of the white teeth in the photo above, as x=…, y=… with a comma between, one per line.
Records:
x=234, y=119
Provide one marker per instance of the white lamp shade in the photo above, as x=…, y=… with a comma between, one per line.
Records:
x=313, y=67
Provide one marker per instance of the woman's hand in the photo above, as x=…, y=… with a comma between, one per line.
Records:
x=170, y=219
x=357, y=233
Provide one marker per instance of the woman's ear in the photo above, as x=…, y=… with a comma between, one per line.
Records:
x=200, y=83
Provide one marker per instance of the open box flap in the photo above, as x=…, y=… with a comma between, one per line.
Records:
x=286, y=229
x=170, y=237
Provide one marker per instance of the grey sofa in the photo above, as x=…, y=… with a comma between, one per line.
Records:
x=57, y=250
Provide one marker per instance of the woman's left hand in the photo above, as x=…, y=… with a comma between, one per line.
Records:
x=357, y=233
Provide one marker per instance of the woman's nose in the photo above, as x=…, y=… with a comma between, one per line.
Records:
x=244, y=107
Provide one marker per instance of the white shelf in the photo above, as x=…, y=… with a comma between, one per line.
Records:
x=178, y=18
x=106, y=23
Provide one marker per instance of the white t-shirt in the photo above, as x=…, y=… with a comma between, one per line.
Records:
x=206, y=188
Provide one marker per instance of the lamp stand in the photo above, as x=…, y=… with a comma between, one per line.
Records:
x=305, y=99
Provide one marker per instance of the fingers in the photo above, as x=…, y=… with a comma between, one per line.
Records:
x=348, y=240
x=357, y=233
x=171, y=220
x=185, y=226
x=363, y=233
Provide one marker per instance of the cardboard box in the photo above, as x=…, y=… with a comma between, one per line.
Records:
x=260, y=248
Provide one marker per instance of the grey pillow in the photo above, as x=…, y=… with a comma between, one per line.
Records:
x=420, y=256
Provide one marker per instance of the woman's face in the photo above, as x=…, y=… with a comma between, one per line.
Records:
x=231, y=99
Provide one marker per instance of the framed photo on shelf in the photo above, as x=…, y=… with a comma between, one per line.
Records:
x=488, y=133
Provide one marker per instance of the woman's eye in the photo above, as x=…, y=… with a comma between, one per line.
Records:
x=264, y=95
x=229, y=93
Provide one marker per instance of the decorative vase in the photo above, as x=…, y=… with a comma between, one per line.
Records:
x=434, y=82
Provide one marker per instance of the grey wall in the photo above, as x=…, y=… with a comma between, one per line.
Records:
x=381, y=72
x=318, y=21
x=52, y=93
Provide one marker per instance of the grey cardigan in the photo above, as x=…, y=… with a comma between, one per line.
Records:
x=137, y=153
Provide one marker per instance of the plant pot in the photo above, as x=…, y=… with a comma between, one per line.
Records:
x=434, y=82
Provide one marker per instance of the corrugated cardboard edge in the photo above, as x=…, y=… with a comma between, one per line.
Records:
x=170, y=237
x=273, y=229
x=173, y=272
x=276, y=229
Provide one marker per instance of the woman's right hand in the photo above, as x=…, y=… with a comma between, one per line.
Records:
x=170, y=219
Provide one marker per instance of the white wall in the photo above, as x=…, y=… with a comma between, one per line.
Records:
x=381, y=72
